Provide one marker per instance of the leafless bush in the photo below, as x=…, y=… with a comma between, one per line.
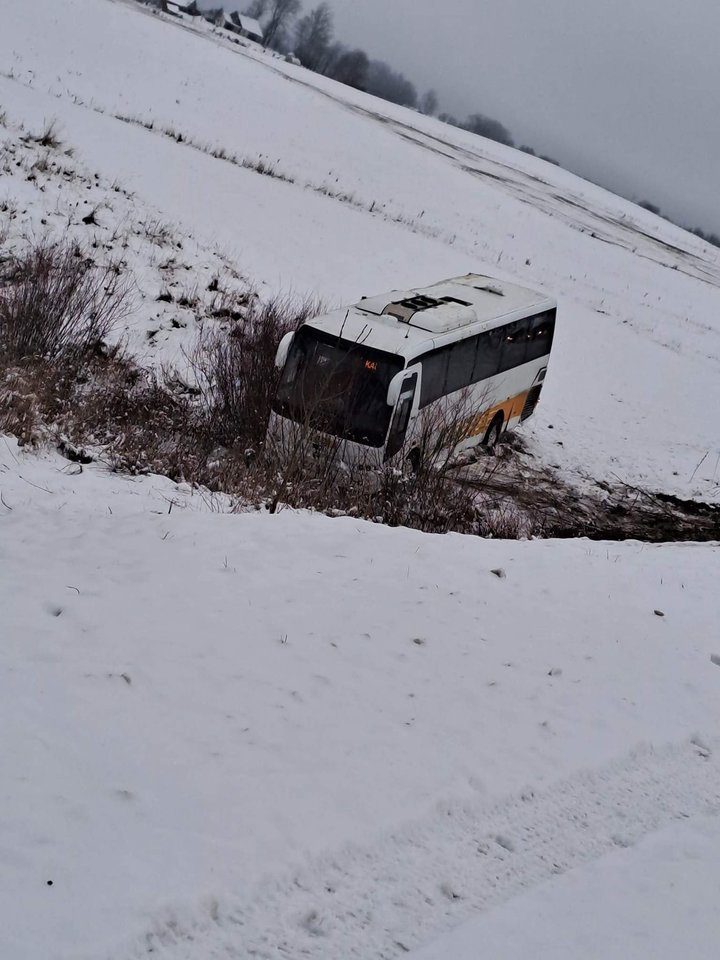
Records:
x=268, y=168
x=236, y=369
x=54, y=301
x=48, y=137
x=108, y=403
x=416, y=488
x=157, y=232
x=21, y=412
x=42, y=164
x=227, y=303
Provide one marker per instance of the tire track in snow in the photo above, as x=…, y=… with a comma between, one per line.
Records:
x=380, y=901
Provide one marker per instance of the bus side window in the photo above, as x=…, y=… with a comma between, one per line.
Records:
x=515, y=336
x=487, y=358
x=461, y=365
x=434, y=375
x=540, y=336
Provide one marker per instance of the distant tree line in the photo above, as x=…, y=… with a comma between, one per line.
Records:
x=311, y=38
x=712, y=238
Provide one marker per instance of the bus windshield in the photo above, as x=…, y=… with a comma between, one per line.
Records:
x=337, y=386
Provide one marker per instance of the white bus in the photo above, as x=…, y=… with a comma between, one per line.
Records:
x=368, y=376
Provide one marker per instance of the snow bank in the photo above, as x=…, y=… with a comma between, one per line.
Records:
x=197, y=703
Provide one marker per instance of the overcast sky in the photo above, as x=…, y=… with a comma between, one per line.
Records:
x=626, y=92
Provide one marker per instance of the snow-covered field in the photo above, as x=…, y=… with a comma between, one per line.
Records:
x=230, y=735
x=316, y=737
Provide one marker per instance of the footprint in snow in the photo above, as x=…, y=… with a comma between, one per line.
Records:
x=505, y=842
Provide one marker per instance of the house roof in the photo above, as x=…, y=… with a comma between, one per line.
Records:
x=248, y=24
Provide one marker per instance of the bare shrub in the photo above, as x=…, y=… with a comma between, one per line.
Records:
x=268, y=168
x=55, y=301
x=48, y=137
x=157, y=232
x=416, y=488
x=429, y=500
x=106, y=402
x=306, y=468
x=21, y=412
x=236, y=369
x=42, y=164
x=143, y=426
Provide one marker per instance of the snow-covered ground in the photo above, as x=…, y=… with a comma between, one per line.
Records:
x=230, y=735
x=658, y=901
x=383, y=198
x=176, y=284
x=235, y=732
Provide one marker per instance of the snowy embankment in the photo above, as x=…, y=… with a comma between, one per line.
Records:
x=322, y=736
x=308, y=737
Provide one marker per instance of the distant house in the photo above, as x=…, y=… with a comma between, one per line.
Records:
x=245, y=26
x=179, y=8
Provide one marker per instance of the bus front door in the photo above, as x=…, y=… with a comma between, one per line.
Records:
x=402, y=415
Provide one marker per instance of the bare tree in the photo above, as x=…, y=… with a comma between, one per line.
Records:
x=330, y=60
x=429, y=104
x=257, y=9
x=280, y=14
x=383, y=81
x=487, y=127
x=351, y=69
x=313, y=37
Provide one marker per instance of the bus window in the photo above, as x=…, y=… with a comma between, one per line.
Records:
x=487, y=359
x=514, y=344
x=541, y=335
x=461, y=365
x=337, y=386
x=434, y=375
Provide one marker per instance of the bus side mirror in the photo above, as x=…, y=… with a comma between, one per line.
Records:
x=283, y=350
x=395, y=387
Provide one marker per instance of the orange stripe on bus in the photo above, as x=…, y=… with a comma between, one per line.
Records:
x=512, y=407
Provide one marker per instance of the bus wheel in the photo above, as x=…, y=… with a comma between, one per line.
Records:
x=493, y=433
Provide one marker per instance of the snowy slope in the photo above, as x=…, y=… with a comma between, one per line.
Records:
x=176, y=284
x=322, y=736
x=382, y=197
x=235, y=734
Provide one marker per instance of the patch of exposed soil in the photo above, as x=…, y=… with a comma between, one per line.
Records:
x=550, y=506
